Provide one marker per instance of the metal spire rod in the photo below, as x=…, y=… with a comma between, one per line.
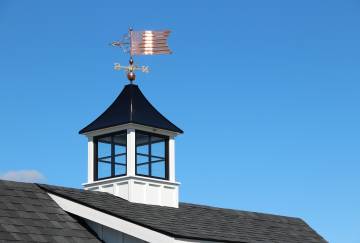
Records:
x=130, y=36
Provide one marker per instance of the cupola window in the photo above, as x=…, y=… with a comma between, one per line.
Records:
x=110, y=156
x=151, y=155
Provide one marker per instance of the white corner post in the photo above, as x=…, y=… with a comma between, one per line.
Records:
x=172, y=159
x=90, y=159
x=130, y=152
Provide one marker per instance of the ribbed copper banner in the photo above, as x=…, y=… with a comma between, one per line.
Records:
x=149, y=42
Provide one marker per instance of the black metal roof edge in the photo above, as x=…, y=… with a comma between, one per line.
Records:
x=44, y=187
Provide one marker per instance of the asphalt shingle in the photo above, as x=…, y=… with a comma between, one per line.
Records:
x=28, y=214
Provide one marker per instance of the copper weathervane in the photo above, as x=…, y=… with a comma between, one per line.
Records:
x=148, y=42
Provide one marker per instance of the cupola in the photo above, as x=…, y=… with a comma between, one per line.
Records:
x=131, y=151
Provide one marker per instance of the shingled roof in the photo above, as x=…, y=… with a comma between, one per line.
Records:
x=131, y=106
x=196, y=221
x=28, y=214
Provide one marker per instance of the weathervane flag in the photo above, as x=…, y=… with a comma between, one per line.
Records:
x=149, y=42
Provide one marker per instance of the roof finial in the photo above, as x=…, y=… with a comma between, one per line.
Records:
x=146, y=42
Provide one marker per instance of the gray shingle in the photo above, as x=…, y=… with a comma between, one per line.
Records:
x=197, y=221
x=28, y=214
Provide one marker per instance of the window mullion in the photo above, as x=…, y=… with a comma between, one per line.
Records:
x=112, y=156
x=126, y=165
x=166, y=144
x=149, y=156
x=95, y=157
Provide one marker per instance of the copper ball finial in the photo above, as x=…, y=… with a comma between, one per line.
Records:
x=131, y=76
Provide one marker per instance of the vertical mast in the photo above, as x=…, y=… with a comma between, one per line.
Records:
x=131, y=75
x=130, y=41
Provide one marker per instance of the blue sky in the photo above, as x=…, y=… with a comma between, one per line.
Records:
x=267, y=93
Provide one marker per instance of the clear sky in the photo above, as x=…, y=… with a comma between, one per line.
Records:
x=267, y=92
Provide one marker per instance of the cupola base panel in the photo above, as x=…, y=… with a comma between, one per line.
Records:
x=139, y=189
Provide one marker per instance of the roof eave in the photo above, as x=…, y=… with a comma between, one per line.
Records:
x=135, y=125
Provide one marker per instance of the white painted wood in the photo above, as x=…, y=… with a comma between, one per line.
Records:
x=172, y=159
x=112, y=222
x=109, y=188
x=130, y=152
x=122, y=190
x=110, y=235
x=153, y=194
x=170, y=196
x=139, y=190
x=90, y=159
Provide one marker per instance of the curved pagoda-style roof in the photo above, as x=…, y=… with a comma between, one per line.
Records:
x=131, y=106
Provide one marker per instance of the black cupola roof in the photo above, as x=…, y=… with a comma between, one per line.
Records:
x=131, y=106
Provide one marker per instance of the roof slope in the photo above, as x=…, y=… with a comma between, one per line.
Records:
x=28, y=214
x=131, y=106
x=196, y=221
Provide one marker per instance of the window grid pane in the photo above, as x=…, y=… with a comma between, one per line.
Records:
x=104, y=170
x=151, y=155
x=111, y=156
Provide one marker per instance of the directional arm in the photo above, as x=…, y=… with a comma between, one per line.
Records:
x=131, y=68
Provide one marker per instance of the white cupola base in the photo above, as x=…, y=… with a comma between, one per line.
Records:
x=139, y=190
